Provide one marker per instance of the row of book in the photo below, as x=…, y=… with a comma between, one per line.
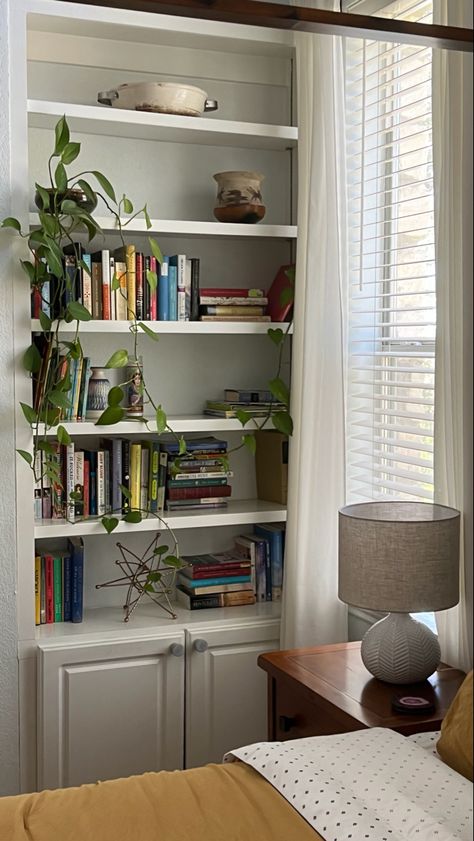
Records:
x=255, y=403
x=54, y=368
x=248, y=573
x=59, y=583
x=123, y=475
x=120, y=285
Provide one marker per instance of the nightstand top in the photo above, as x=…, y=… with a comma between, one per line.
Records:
x=337, y=677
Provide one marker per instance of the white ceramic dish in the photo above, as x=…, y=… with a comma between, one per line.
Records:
x=161, y=97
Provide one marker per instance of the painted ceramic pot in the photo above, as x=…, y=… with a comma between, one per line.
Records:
x=133, y=401
x=97, y=393
x=239, y=197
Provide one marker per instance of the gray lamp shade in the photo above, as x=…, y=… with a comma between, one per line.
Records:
x=399, y=557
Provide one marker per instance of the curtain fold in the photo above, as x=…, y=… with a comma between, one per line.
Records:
x=452, y=166
x=312, y=613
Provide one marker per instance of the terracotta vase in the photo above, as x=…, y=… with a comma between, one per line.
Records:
x=239, y=197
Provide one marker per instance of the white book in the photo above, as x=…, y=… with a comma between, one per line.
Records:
x=87, y=283
x=100, y=483
x=79, y=482
x=70, y=505
x=113, y=292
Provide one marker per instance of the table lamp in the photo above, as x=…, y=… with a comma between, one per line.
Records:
x=399, y=558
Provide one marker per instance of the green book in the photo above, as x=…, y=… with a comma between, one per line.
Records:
x=58, y=588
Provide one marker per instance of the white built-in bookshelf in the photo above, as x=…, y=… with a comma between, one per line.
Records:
x=65, y=54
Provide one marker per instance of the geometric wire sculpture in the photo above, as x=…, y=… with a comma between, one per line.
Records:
x=144, y=576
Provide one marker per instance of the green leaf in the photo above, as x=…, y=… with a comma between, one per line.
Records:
x=161, y=420
x=45, y=321
x=154, y=576
x=291, y=273
x=45, y=447
x=156, y=250
x=29, y=269
x=147, y=218
x=161, y=550
x=277, y=336
x=70, y=208
x=243, y=416
x=60, y=178
x=105, y=184
x=127, y=204
x=49, y=223
x=61, y=132
x=173, y=561
x=115, y=283
x=283, y=422
x=133, y=517
x=115, y=396
x=287, y=296
x=63, y=435
x=55, y=266
x=58, y=398
x=109, y=523
x=27, y=456
x=11, y=222
x=111, y=415
x=152, y=279
x=125, y=492
x=29, y=413
x=149, y=331
x=70, y=152
x=118, y=359
x=280, y=390
x=182, y=446
x=87, y=190
x=250, y=443
x=78, y=311
x=32, y=359
x=44, y=196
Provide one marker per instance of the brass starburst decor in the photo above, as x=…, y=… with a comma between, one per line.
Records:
x=152, y=575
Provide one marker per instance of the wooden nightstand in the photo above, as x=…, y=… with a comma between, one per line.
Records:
x=324, y=690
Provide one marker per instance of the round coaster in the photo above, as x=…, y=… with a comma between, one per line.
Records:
x=412, y=704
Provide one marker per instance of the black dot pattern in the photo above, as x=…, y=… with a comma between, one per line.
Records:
x=373, y=784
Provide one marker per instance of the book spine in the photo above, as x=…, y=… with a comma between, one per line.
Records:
x=181, y=299
x=78, y=484
x=70, y=504
x=113, y=290
x=67, y=588
x=116, y=474
x=71, y=290
x=236, y=293
x=130, y=254
x=91, y=457
x=125, y=475
x=187, y=288
x=173, y=292
x=154, y=477
x=195, y=272
x=107, y=483
x=268, y=572
x=46, y=510
x=164, y=291
x=163, y=462
x=77, y=388
x=46, y=298
x=87, y=490
x=38, y=590
x=205, y=589
x=87, y=283
x=201, y=482
x=58, y=588
x=231, y=310
x=135, y=465
x=146, y=289
x=139, y=271
x=106, y=308
x=203, y=475
x=100, y=483
x=43, y=591
x=199, y=492
x=144, y=477
x=260, y=572
x=214, y=300
x=49, y=578
x=77, y=584
x=121, y=299
x=154, y=292
x=198, y=602
x=96, y=281
x=86, y=375
x=192, y=583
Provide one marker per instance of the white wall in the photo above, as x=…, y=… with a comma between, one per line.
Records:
x=9, y=751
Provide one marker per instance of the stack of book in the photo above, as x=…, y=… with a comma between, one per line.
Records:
x=59, y=577
x=264, y=549
x=199, y=479
x=114, y=286
x=215, y=580
x=256, y=402
x=222, y=304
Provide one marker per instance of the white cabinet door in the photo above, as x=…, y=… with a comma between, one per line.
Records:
x=110, y=710
x=226, y=691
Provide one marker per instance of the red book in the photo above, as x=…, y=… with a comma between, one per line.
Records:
x=35, y=302
x=86, y=487
x=139, y=272
x=217, y=571
x=49, y=581
x=225, y=292
x=280, y=301
x=199, y=492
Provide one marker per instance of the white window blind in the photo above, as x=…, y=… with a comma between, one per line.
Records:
x=392, y=306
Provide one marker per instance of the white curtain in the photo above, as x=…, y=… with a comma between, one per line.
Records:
x=452, y=165
x=312, y=613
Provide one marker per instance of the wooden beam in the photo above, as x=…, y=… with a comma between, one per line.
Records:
x=303, y=19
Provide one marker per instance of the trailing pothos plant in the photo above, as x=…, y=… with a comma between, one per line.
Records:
x=65, y=212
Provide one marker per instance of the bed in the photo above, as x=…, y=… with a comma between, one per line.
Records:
x=371, y=784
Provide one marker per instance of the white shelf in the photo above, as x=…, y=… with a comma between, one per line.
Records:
x=204, y=328
x=192, y=228
x=108, y=624
x=172, y=128
x=242, y=511
x=179, y=424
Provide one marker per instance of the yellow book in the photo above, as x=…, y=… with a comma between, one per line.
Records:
x=37, y=590
x=121, y=293
x=135, y=475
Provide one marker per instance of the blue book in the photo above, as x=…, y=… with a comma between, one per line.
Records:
x=67, y=588
x=209, y=444
x=86, y=375
x=76, y=548
x=164, y=291
x=91, y=457
x=225, y=579
x=275, y=535
x=173, y=292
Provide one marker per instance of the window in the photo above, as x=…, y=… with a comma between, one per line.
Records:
x=392, y=307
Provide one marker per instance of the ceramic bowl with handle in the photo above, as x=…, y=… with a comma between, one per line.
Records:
x=160, y=97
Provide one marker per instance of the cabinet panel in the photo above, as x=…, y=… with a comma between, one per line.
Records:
x=226, y=703
x=109, y=711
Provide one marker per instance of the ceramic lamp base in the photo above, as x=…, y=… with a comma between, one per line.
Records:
x=398, y=649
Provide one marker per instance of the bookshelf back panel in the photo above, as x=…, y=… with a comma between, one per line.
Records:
x=174, y=182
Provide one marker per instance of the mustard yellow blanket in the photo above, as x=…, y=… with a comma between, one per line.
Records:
x=215, y=803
